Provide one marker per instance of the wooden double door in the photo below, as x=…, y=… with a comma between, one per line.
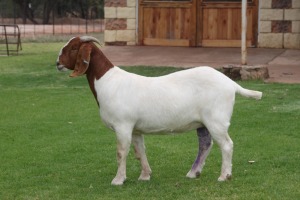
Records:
x=210, y=23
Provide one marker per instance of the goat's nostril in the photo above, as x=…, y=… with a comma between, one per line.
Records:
x=57, y=63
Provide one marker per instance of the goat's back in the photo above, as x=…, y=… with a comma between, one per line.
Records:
x=171, y=103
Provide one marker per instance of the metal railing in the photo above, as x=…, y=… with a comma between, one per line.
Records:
x=10, y=36
x=64, y=17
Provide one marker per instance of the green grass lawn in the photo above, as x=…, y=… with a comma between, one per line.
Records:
x=53, y=144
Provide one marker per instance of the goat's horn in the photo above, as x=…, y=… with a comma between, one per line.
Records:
x=89, y=39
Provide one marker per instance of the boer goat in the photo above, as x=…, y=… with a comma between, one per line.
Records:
x=201, y=98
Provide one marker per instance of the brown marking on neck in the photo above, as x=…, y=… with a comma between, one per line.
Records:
x=98, y=66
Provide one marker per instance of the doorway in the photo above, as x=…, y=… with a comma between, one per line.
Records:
x=167, y=23
x=208, y=23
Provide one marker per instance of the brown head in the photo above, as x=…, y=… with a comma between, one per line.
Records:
x=82, y=56
x=76, y=55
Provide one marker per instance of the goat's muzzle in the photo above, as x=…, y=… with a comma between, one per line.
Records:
x=60, y=67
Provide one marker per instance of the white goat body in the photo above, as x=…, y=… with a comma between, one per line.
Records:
x=201, y=98
x=176, y=102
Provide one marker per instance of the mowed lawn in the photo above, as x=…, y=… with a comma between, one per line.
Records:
x=53, y=144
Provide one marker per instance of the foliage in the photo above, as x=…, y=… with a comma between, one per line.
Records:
x=54, y=146
x=44, y=9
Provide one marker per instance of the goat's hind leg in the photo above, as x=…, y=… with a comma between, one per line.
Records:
x=221, y=137
x=226, y=146
x=205, y=144
x=139, y=149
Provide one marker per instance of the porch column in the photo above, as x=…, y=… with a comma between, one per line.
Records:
x=120, y=22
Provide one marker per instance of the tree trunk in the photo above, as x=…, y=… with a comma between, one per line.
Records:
x=46, y=13
x=82, y=9
x=26, y=12
x=23, y=8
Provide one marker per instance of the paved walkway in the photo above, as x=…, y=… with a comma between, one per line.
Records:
x=283, y=64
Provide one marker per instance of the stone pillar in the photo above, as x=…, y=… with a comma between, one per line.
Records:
x=279, y=24
x=120, y=22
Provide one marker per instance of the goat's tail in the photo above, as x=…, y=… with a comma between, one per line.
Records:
x=248, y=93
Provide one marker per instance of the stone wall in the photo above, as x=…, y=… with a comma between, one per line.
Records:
x=120, y=22
x=279, y=25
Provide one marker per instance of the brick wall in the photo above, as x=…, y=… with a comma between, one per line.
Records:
x=120, y=22
x=279, y=25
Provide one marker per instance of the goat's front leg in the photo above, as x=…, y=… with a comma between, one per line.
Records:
x=205, y=144
x=123, y=146
x=139, y=149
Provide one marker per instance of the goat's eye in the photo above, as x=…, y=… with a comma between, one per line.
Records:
x=74, y=48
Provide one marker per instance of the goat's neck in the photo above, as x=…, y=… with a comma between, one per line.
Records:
x=98, y=66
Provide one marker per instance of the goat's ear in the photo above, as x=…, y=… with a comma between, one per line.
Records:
x=82, y=60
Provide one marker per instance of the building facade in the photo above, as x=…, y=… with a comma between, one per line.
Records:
x=271, y=23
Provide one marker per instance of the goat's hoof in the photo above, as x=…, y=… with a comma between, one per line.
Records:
x=144, y=177
x=224, y=178
x=192, y=174
x=118, y=181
